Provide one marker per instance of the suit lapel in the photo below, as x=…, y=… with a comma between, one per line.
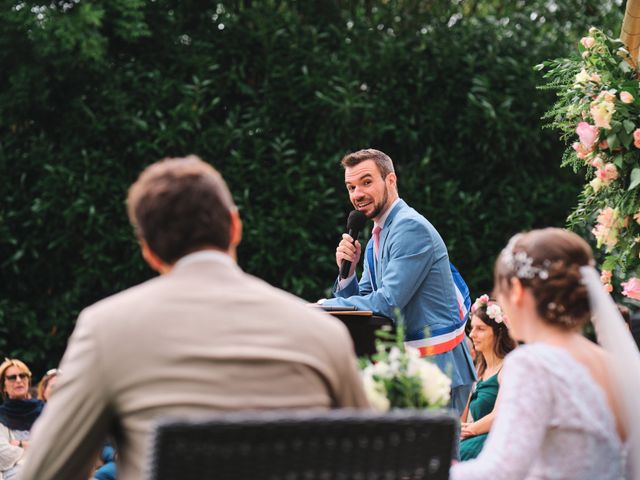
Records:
x=383, y=238
x=387, y=227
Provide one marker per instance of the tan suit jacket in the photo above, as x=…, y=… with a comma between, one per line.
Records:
x=205, y=337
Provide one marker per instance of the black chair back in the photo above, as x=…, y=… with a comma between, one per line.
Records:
x=305, y=445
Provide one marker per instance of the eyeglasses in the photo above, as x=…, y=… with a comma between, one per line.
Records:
x=13, y=378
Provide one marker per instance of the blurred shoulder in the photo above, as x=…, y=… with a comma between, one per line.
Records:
x=302, y=322
x=541, y=357
x=290, y=305
x=131, y=296
x=529, y=355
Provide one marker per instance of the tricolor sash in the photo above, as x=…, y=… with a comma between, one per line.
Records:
x=462, y=292
x=447, y=338
x=442, y=339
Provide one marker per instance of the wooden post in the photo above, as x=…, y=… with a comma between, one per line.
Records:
x=630, y=33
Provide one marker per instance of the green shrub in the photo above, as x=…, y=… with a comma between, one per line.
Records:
x=272, y=93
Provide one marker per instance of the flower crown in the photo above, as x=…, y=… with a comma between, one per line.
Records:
x=494, y=311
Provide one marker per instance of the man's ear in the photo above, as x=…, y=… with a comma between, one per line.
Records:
x=392, y=180
x=152, y=259
x=235, y=230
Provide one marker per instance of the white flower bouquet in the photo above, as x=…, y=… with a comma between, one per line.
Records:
x=398, y=378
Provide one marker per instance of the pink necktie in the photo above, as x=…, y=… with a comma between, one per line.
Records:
x=376, y=239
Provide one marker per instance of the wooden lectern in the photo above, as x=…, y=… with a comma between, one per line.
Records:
x=362, y=326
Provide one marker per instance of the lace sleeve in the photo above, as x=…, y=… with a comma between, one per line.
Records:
x=520, y=424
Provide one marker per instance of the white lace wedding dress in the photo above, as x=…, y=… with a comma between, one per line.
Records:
x=553, y=422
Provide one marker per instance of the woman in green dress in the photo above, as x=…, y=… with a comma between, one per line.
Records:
x=492, y=342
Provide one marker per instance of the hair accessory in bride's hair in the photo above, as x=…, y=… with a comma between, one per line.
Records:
x=559, y=314
x=493, y=309
x=521, y=264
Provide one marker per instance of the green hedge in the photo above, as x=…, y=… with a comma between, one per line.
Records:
x=272, y=93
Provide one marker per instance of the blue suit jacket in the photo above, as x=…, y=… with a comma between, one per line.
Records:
x=413, y=276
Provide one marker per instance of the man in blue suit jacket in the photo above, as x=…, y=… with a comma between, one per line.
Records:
x=407, y=270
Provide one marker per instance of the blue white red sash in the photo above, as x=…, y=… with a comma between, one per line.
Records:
x=443, y=339
x=462, y=292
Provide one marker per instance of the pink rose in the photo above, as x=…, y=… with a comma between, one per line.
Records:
x=597, y=162
x=606, y=230
x=611, y=172
x=626, y=97
x=607, y=173
x=605, y=236
x=632, y=288
x=481, y=300
x=588, y=135
x=581, y=152
x=607, y=217
x=587, y=42
x=608, y=287
x=636, y=137
x=605, y=276
x=603, y=145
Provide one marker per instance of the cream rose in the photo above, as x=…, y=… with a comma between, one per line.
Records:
x=626, y=97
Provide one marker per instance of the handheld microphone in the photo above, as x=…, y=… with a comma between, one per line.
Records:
x=355, y=223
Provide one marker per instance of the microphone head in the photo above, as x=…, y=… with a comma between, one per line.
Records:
x=356, y=220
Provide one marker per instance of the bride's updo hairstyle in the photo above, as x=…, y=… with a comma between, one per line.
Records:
x=548, y=263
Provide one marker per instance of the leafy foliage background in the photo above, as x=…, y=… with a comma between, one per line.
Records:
x=273, y=94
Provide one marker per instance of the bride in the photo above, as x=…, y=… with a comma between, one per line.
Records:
x=563, y=410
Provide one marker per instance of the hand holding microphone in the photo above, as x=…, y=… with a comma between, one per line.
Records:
x=349, y=249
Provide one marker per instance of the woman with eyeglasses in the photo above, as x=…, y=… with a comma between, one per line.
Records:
x=47, y=383
x=18, y=412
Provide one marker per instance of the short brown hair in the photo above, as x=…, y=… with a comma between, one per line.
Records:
x=180, y=205
x=382, y=160
x=552, y=257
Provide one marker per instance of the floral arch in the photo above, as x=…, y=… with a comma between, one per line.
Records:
x=598, y=113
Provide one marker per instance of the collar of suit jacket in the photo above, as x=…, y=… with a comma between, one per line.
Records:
x=205, y=255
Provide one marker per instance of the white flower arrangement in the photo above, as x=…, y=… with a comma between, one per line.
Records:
x=400, y=378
